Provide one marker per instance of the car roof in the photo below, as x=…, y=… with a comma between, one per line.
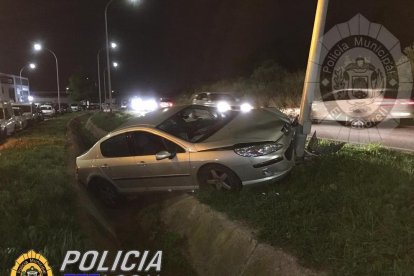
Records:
x=154, y=118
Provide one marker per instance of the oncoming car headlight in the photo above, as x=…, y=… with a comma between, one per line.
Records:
x=258, y=150
x=223, y=107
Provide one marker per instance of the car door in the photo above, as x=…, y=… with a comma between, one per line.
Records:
x=171, y=173
x=119, y=164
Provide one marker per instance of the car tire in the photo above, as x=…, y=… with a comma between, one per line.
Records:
x=106, y=193
x=218, y=177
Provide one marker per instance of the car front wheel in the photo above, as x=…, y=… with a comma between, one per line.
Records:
x=219, y=177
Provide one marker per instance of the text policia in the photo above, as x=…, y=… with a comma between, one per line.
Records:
x=129, y=261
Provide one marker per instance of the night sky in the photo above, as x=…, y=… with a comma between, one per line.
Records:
x=167, y=46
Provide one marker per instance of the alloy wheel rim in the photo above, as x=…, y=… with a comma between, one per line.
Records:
x=218, y=180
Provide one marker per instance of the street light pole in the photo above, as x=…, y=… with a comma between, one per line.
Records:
x=104, y=75
x=32, y=65
x=38, y=47
x=311, y=78
x=99, y=81
x=113, y=46
x=107, y=49
x=107, y=53
x=57, y=75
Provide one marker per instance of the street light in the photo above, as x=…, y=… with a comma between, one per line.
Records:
x=38, y=47
x=114, y=45
x=31, y=66
x=115, y=65
x=107, y=47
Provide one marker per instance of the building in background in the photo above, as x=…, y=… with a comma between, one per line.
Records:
x=50, y=97
x=14, y=89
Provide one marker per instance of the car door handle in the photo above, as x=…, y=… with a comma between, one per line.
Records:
x=142, y=164
x=104, y=166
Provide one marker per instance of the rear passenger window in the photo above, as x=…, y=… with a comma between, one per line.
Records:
x=116, y=146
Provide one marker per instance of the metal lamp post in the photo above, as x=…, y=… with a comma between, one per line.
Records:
x=113, y=46
x=311, y=77
x=107, y=49
x=38, y=47
x=31, y=66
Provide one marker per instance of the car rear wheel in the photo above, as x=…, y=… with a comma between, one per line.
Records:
x=219, y=177
x=106, y=193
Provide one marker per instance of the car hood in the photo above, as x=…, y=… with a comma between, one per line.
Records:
x=256, y=126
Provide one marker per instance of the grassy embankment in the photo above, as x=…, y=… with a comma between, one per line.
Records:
x=37, y=201
x=109, y=121
x=350, y=213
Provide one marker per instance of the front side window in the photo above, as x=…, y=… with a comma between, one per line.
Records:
x=145, y=143
x=116, y=146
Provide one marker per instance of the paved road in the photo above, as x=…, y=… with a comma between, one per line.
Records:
x=388, y=134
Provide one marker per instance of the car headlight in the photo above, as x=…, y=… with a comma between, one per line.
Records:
x=223, y=107
x=246, y=107
x=258, y=150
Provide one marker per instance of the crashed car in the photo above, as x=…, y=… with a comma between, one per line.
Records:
x=187, y=147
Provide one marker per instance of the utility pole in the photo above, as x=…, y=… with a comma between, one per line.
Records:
x=311, y=79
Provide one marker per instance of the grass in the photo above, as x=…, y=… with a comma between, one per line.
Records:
x=37, y=201
x=348, y=213
x=109, y=121
x=85, y=137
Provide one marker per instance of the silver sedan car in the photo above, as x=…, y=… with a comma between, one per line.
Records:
x=187, y=147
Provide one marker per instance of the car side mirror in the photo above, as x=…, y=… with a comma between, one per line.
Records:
x=164, y=155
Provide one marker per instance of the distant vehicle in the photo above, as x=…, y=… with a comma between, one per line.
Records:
x=362, y=105
x=29, y=111
x=64, y=108
x=187, y=147
x=75, y=107
x=142, y=106
x=48, y=110
x=166, y=102
x=20, y=118
x=93, y=106
x=7, y=120
x=221, y=100
x=124, y=105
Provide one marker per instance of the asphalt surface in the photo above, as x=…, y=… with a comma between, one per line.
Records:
x=389, y=134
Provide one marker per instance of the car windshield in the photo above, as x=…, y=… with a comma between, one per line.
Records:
x=16, y=112
x=45, y=108
x=221, y=97
x=195, y=124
